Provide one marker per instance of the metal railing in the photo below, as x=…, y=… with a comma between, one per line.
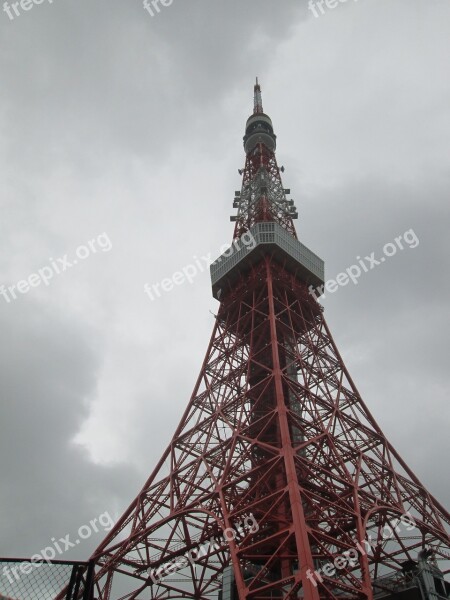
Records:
x=25, y=579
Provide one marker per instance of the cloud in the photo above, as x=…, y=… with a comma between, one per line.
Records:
x=49, y=370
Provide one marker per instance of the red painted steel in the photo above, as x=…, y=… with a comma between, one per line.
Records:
x=263, y=209
x=277, y=449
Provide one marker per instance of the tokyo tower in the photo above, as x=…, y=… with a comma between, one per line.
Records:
x=278, y=483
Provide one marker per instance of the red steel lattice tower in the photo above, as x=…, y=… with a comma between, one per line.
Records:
x=278, y=482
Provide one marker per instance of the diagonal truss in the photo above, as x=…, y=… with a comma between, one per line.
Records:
x=277, y=470
x=275, y=430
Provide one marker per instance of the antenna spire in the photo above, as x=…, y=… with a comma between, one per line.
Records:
x=258, y=108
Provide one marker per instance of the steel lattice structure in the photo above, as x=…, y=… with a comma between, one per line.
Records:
x=277, y=467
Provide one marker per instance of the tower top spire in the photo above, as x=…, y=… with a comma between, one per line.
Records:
x=259, y=126
x=258, y=108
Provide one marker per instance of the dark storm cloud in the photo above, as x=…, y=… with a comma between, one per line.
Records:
x=155, y=82
x=48, y=373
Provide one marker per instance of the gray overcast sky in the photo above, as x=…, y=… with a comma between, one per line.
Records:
x=116, y=122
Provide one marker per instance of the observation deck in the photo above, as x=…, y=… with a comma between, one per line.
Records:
x=263, y=239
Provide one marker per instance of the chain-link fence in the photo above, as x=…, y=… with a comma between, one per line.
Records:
x=22, y=579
